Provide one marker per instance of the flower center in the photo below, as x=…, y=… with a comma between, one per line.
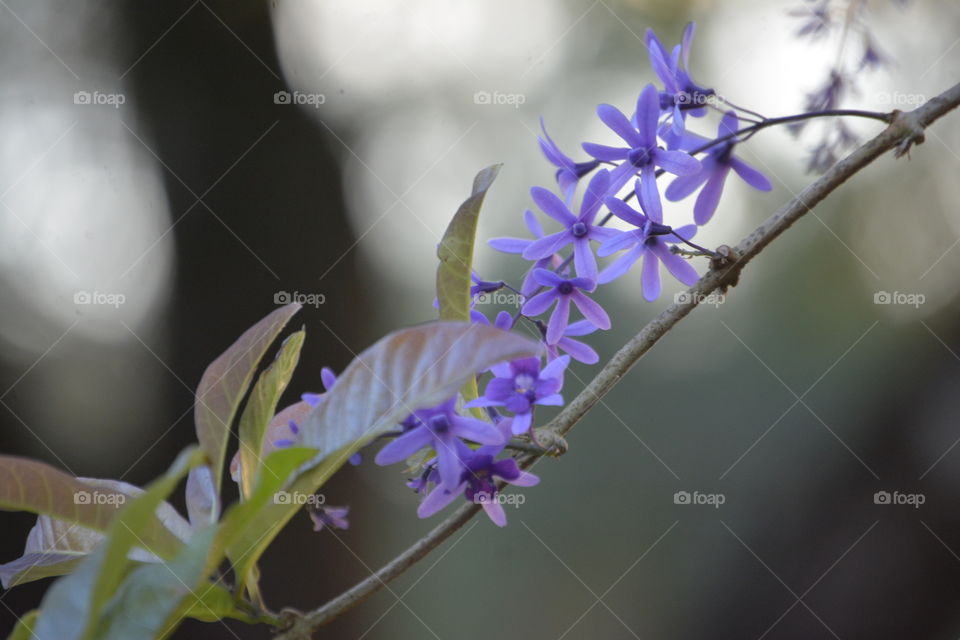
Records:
x=565, y=288
x=578, y=230
x=524, y=382
x=639, y=157
x=440, y=424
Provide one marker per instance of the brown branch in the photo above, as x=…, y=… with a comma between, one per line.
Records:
x=905, y=130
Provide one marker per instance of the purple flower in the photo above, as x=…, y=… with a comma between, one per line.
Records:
x=681, y=95
x=716, y=166
x=519, y=245
x=642, y=153
x=579, y=230
x=328, y=517
x=568, y=171
x=650, y=241
x=477, y=482
x=576, y=349
x=503, y=321
x=519, y=385
x=441, y=428
x=563, y=291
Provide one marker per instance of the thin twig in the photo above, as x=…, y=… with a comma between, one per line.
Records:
x=905, y=130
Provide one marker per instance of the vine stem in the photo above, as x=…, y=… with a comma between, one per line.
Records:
x=905, y=130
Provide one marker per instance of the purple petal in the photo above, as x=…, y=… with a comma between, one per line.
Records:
x=555, y=367
x=580, y=328
x=476, y=430
x=728, y=124
x=614, y=118
x=553, y=206
x=686, y=43
x=594, y=195
x=437, y=500
x=579, y=351
x=648, y=112
x=328, y=378
x=651, y=276
x=583, y=259
x=539, y=303
x=621, y=265
x=590, y=310
x=495, y=510
x=679, y=163
x=604, y=152
x=530, y=218
x=503, y=321
x=622, y=241
x=625, y=212
x=548, y=245
x=559, y=319
x=521, y=423
x=679, y=268
x=402, y=447
x=509, y=245
x=750, y=175
x=547, y=278
x=552, y=400
x=525, y=479
x=683, y=186
x=602, y=234
x=650, y=196
x=709, y=196
x=449, y=466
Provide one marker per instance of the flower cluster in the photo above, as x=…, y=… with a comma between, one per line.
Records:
x=455, y=453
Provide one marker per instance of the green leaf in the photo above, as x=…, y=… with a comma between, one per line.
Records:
x=226, y=380
x=150, y=602
x=55, y=547
x=456, y=251
x=456, y=262
x=407, y=370
x=261, y=405
x=24, y=628
x=249, y=527
x=28, y=485
x=73, y=605
x=212, y=602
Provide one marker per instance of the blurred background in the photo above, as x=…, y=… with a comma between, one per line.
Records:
x=157, y=195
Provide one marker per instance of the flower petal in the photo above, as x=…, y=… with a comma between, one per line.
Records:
x=404, y=446
x=651, y=276
x=558, y=320
x=591, y=310
x=553, y=206
x=621, y=265
x=547, y=245
x=437, y=500
x=509, y=245
x=750, y=175
x=614, y=118
x=605, y=152
x=679, y=268
x=648, y=113
x=539, y=303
